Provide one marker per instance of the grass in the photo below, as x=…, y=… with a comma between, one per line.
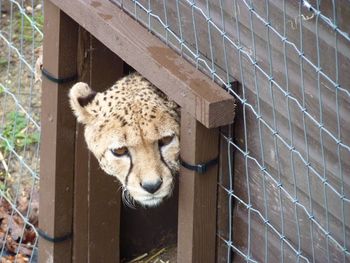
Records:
x=17, y=133
x=3, y=62
x=28, y=31
x=16, y=130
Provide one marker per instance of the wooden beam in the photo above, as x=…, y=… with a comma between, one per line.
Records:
x=82, y=161
x=97, y=195
x=188, y=87
x=57, y=136
x=197, y=193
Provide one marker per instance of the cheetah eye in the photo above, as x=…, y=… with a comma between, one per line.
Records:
x=120, y=151
x=165, y=140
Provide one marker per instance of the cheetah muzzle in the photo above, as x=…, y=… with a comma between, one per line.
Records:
x=133, y=131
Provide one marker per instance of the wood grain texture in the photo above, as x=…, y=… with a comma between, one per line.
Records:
x=81, y=167
x=225, y=203
x=172, y=74
x=321, y=99
x=57, y=136
x=312, y=92
x=265, y=196
x=197, y=193
x=97, y=198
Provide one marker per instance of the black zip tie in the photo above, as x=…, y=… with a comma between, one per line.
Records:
x=199, y=168
x=49, y=76
x=53, y=239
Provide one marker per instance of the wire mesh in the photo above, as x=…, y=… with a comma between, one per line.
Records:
x=20, y=48
x=286, y=184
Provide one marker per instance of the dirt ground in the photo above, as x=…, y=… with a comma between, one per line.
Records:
x=20, y=126
x=22, y=98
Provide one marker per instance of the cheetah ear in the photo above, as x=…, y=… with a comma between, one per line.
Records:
x=80, y=96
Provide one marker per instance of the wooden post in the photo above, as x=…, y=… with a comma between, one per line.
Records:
x=197, y=193
x=57, y=136
x=97, y=198
x=82, y=158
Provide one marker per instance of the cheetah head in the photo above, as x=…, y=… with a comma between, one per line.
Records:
x=133, y=131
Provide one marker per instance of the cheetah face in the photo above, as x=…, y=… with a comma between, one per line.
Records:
x=133, y=131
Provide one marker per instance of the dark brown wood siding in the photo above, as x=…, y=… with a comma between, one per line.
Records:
x=291, y=145
x=283, y=188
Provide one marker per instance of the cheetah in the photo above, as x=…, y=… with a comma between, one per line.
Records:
x=133, y=131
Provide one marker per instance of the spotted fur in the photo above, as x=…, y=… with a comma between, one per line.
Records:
x=133, y=114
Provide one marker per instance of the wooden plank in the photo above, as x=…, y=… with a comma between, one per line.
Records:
x=104, y=190
x=81, y=167
x=225, y=203
x=97, y=199
x=225, y=181
x=57, y=136
x=81, y=206
x=172, y=74
x=311, y=90
x=197, y=193
x=326, y=40
x=279, y=107
x=264, y=196
x=275, y=102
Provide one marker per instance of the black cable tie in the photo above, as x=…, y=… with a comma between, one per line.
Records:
x=53, y=239
x=49, y=76
x=199, y=168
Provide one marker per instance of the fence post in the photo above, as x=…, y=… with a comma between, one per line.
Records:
x=197, y=193
x=96, y=195
x=57, y=136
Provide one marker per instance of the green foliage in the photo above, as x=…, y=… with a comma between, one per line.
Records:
x=17, y=133
x=28, y=29
x=3, y=62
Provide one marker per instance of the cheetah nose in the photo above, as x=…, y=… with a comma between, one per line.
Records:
x=151, y=186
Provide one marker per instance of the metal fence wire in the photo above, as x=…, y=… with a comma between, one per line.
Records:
x=285, y=193
x=20, y=41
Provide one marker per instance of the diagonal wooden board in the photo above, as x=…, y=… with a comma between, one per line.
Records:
x=187, y=86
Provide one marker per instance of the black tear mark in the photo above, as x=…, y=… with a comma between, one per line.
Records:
x=129, y=172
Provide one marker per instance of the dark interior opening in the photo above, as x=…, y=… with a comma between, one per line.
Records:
x=145, y=229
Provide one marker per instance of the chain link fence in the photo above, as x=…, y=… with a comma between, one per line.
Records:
x=284, y=193
x=21, y=35
x=284, y=190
